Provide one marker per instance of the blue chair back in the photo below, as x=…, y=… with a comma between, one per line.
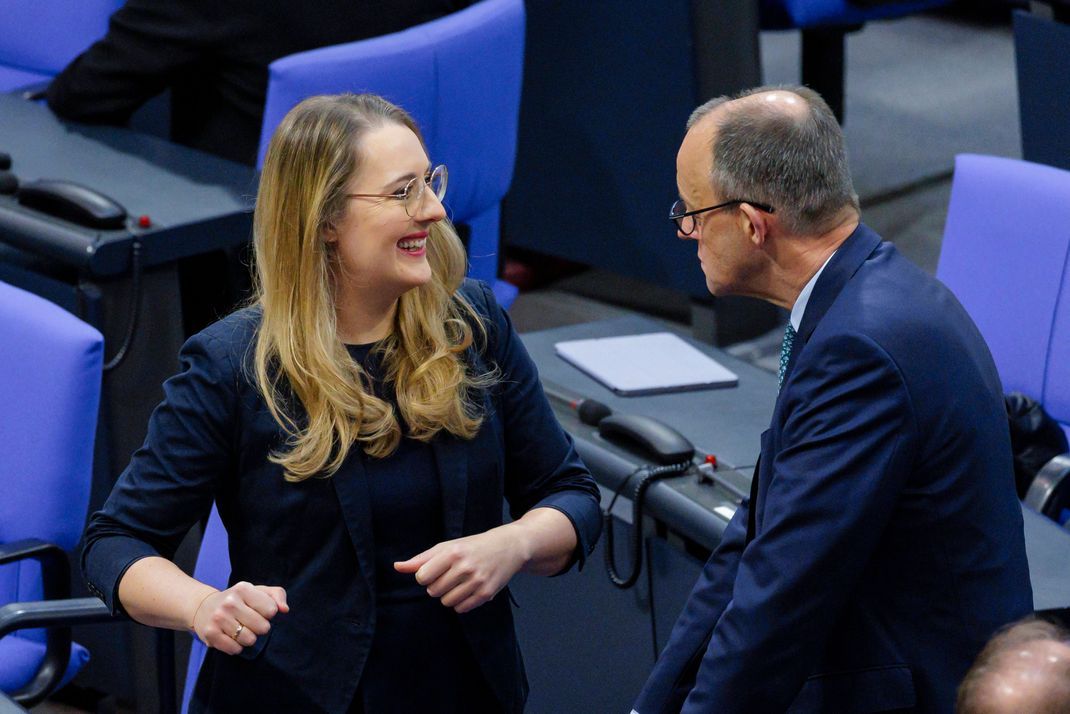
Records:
x=1005, y=256
x=38, y=38
x=213, y=568
x=50, y=379
x=784, y=14
x=460, y=78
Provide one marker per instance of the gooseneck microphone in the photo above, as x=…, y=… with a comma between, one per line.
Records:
x=590, y=411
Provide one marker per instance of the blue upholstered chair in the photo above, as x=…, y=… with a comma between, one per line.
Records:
x=50, y=373
x=1005, y=256
x=213, y=568
x=824, y=25
x=459, y=77
x=39, y=37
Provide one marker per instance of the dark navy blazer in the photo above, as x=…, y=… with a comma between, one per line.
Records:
x=888, y=544
x=210, y=439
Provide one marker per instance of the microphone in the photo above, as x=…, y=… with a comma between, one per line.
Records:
x=590, y=411
x=8, y=183
x=5, y=161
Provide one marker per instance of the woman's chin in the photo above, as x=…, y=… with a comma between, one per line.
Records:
x=414, y=277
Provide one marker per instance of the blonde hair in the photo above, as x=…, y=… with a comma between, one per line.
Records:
x=313, y=155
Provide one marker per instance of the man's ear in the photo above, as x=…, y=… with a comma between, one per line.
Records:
x=755, y=224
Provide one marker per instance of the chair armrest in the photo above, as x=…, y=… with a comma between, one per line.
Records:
x=55, y=568
x=1049, y=491
x=58, y=616
x=54, y=613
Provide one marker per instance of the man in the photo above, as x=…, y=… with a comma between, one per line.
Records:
x=1025, y=669
x=882, y=543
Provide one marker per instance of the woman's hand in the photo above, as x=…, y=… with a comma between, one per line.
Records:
x=232, y=619
x=467, y=572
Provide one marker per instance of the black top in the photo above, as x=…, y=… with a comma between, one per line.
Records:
x=213, y=56
x=419, y=659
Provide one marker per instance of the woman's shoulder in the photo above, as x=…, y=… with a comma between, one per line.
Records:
x=479, y=295
x=229, y=339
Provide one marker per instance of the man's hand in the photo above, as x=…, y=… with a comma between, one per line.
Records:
x=467, y=572
x=232, y=619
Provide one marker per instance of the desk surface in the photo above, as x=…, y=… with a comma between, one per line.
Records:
x=728, y=422
x=725, y=422
x=183, y=191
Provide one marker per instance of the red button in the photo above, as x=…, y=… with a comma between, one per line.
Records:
x=144, y=222
x=711, y=460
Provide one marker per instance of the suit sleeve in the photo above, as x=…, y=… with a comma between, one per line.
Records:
x=542, y=467
x=171, y=480
x=845, y=452
x=704, y=606
x=148, y=44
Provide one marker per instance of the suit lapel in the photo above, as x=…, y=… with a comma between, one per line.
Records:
x=451, y=458
x=848, y=259
x=351, y=488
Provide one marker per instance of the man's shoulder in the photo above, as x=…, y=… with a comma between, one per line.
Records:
x=890, y=299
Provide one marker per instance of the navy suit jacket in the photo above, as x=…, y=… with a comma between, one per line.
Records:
x=888, y=544
x=210, y=439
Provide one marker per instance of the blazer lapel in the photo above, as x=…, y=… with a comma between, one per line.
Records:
x=351, y=488
x=848, y=259
x=451, y=458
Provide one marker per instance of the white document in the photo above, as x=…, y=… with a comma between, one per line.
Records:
x=634, y=365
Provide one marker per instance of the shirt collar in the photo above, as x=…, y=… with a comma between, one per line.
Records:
x=799, y=307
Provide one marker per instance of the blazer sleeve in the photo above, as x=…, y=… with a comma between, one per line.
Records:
x=148, y=45
x=845, y=453
x=542, y=467
x=664, y=689
x=170, y=481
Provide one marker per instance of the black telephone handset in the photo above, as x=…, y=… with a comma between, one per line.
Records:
x=657, y=440
x=73, y=202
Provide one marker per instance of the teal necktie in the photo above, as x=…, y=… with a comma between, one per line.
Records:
x=785, y=353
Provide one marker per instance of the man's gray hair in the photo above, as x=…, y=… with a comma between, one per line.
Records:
x=1019, y=671
x=797, y=164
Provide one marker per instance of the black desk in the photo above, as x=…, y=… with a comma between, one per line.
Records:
x=589, y=646
x=196, y=203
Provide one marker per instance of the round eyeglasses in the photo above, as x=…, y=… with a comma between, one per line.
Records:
x=685, y=219
x=412, y=194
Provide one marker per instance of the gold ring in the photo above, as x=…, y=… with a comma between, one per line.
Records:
x=238, y=631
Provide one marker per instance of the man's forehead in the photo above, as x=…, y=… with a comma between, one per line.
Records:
x=694, y=160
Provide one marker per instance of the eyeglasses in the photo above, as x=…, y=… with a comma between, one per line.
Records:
x=685, y=219
x=412, y=194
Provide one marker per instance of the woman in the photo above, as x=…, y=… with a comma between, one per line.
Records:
x=358, y=427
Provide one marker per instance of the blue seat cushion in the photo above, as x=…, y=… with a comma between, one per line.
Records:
x=788, y=14
x=13, y=79
x=20, y=658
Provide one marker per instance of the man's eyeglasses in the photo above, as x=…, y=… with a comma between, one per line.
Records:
x=685, y=219
x=412, y=194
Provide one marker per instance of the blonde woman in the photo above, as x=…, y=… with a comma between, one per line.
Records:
x=359, y=427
